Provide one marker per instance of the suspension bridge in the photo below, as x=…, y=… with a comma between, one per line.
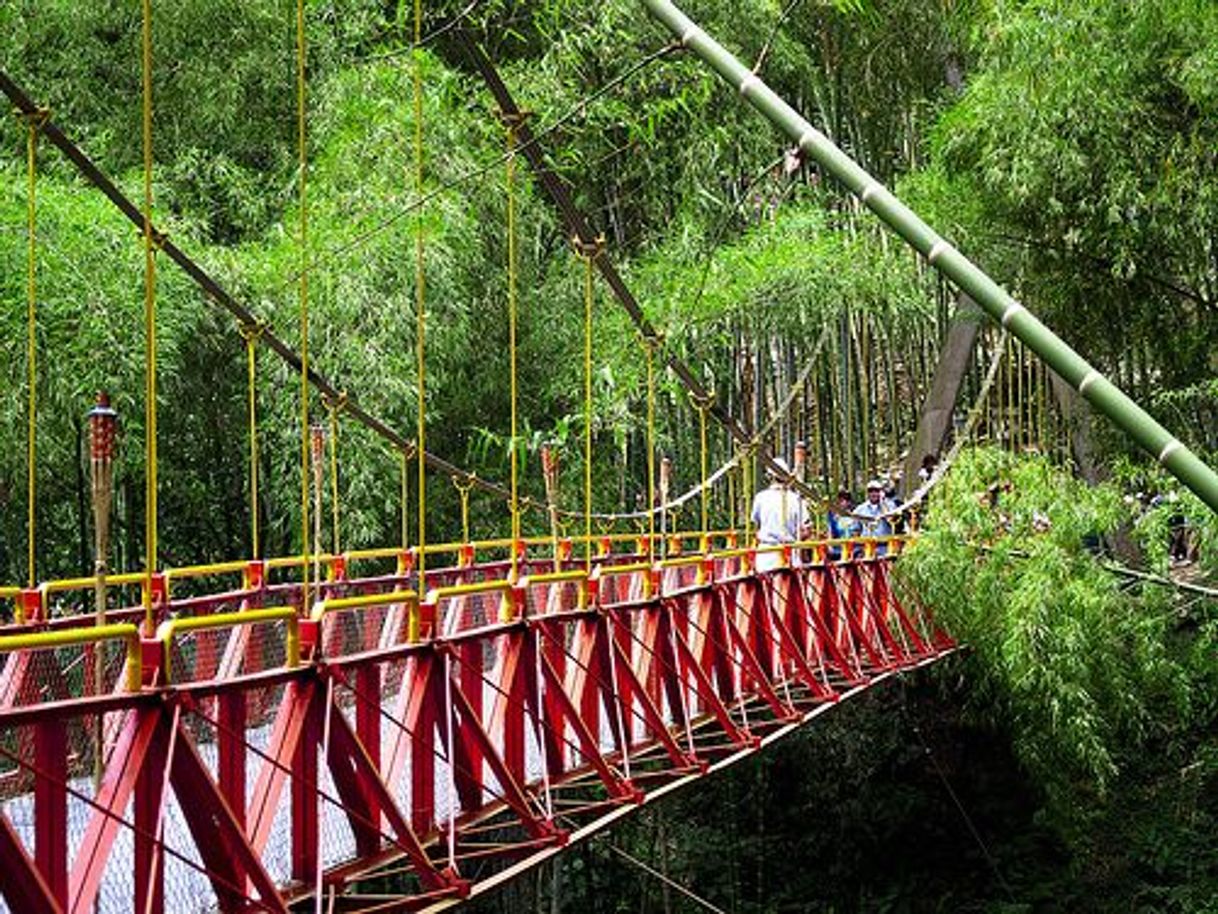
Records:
x=406, y=727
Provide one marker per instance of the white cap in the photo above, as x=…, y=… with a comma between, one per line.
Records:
x=876, y=484
x=782, y=465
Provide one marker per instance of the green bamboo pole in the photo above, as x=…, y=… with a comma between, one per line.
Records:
x=1105, y=396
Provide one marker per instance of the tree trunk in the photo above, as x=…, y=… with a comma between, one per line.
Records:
x=1076, y=416
x=935, y=420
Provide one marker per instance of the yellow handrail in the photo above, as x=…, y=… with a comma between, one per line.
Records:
x=576, y=575
x=364, y=601
x=172, y=627
x=682, y=561
x=895, y=541
x=114, y=580
x=299, y=561
x=436, y=594
x=465, y=590
x=68, y=637
x=384, y=552
x=608, y=571
x=203, y=571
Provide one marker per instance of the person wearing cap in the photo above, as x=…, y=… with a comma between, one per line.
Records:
x=871, y=513
x=779, y=515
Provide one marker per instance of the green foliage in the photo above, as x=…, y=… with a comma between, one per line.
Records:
x=1083, y=144
x=1068, y=143
x=1078, y=667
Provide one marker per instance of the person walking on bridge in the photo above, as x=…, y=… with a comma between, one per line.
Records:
x=874, y=513
x=779, y=515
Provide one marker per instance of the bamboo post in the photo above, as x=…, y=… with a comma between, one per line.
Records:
x=665, y=488
x=103, y=423
x=317, y=453
x=549, y=475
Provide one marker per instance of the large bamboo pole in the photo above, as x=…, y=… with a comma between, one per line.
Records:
x=997, y=302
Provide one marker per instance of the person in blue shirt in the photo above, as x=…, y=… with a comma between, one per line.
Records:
x=841, y=524
x=871, y=513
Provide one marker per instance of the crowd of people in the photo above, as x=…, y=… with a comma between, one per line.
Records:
x=780, y=515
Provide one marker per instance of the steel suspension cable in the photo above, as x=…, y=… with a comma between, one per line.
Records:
x=576, y=224
x=463, y=487
x=524, y=144
x=150, y=245
x=703, y=406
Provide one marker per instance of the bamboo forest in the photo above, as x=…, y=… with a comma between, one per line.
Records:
x=735, y=456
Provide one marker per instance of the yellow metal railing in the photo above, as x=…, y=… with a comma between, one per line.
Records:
x=216, y=569
x=171, y=628
x=463, y=553
x=323, y=608
x=71, y=637
x=506, y=604
x=577, y=576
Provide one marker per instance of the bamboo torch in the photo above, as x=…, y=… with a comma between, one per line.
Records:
x=665, y=487
x=103, y=423
x=317, y=455
x=549, y=472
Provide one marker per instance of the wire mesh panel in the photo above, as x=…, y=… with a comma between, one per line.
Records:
x=235, y=649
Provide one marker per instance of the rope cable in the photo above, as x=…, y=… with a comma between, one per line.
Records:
x=672, y=883
x=98, y=808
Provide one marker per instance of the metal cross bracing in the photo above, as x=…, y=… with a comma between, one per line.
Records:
x=249, y=755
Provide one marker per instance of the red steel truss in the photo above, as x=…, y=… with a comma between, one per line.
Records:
x=437, y=747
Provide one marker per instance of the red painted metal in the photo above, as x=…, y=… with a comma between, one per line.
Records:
x=489, y=741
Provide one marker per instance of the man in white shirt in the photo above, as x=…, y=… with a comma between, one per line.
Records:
x=779, y=515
